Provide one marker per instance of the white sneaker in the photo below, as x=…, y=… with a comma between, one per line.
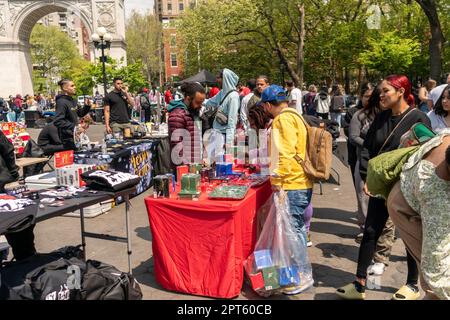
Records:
x=376, y=269
x=309, y=242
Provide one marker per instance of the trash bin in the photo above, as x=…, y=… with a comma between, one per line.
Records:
x=30, y=118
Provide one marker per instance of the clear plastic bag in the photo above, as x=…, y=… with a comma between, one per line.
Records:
x=280, y=259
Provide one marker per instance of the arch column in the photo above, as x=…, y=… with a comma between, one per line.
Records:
x=15, y=69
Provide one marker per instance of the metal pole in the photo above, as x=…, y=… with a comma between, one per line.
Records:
x=128, y=226
x=102, y=44
x=83, y=238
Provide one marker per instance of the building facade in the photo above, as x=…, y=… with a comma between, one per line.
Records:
x=73, y=26
x=167, y=11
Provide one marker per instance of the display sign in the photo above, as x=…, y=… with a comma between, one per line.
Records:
x=63, y=159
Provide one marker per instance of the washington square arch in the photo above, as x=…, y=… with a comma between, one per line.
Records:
x=18, y=17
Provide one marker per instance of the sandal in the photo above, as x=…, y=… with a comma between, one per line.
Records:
x=349, y=292
x=406, y=293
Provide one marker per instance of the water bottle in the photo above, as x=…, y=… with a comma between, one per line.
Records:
x=104, y=150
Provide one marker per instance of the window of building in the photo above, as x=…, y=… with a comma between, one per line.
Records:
x=173, y=60
x=169, y=6
x=181, y=6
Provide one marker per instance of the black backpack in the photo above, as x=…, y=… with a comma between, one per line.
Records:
x=210, y=112
x=50, y=276
x=105, y=282
x=63, y=275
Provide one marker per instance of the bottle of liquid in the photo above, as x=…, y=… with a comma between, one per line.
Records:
x=104, y=149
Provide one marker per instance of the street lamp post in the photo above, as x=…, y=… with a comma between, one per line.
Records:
x=102, y=40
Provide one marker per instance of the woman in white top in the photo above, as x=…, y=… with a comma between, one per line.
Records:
x=440, y=116
x=322, y=102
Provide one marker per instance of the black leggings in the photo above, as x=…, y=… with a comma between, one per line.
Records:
x=377, y=215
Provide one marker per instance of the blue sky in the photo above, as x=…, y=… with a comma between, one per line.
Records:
x=140, y=5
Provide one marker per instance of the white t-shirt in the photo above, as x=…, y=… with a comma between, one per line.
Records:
x=296, y=95
x=438, y=123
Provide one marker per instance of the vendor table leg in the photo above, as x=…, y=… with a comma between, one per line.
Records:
x=83, y=238
x=127, y=207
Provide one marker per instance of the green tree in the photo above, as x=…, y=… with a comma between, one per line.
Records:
x=390, y=54
x=91, y=75
x=143, y=43
x=53, y=54
x=312, y=41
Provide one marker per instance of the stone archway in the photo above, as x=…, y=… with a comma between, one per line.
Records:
x=17, y=19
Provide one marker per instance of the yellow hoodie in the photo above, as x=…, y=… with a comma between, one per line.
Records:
x=289, y=139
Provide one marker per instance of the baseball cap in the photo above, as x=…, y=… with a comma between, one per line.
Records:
x=436, y=93
x=145, y=90
x=273, y=93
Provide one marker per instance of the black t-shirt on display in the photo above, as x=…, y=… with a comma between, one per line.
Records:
x=118, y=106
x=385, y=123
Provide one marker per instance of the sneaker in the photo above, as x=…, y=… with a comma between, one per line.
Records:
x=306, y=283
x=376, y=269
x=309, y=242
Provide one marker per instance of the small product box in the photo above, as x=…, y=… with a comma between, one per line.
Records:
x=262, y=259
x=190, y=186
x=257, y=281
x=181, y=170
x=195, y=168
x=271, y=278
x=172, y=182
x=289, y=276
x=71, y=175
x=224, y=169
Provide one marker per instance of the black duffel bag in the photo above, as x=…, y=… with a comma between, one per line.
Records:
x=104, y=282
x=51, y=276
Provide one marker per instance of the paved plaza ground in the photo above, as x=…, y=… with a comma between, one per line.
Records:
x=333, y=255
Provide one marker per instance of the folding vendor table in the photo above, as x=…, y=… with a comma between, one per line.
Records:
x=134, y=156
x=199, y=247
x=81, y=203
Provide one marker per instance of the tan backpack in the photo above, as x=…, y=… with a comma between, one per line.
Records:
x=319, y=151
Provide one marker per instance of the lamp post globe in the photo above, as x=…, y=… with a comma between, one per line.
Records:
x=102, y=31
x=95, y=37
x=107, y=37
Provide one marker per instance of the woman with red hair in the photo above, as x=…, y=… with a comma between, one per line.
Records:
x=384, y=135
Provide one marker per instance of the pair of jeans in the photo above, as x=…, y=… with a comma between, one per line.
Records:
x=336, y=116
x=299, y=201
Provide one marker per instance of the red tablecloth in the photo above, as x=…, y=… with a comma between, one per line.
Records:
x=199, y=246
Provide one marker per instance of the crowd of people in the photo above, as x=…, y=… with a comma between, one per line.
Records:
x=384, y=113
x=13, y=107
x=374, y=124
